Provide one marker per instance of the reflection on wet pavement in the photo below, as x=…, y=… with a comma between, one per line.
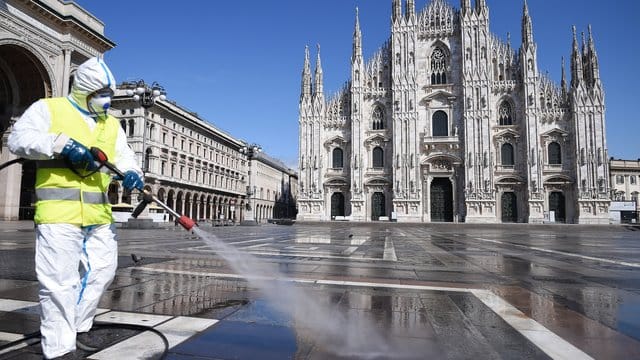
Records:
x=416, y=284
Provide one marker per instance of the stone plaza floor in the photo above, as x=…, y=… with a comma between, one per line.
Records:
x=352, y=291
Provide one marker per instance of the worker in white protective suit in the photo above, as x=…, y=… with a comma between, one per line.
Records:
x=73, y=217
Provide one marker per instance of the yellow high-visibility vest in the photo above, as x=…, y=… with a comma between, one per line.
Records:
x=62, y=196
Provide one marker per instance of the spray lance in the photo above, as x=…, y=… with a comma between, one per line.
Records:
x=147, y=196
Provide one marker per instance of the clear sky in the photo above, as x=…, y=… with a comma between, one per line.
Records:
x=238, y=64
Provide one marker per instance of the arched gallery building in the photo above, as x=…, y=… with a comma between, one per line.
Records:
x=192, y=166
x=41, y=44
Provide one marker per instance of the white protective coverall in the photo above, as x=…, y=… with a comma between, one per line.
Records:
x=68, y=300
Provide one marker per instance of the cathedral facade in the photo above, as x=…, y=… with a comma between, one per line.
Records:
x=448, y=123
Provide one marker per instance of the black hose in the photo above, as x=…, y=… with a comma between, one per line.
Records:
x=14, y=161
x=30, y=339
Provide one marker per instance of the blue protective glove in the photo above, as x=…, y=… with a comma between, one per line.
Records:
x=79, y=156
x=132, y=181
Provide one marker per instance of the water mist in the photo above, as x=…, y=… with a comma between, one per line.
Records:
x=333, y=330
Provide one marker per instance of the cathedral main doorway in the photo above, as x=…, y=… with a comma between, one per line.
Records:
x=509, y=207
x=337, y=204
x=441, y=200
x=377, y=206
x=557, y=205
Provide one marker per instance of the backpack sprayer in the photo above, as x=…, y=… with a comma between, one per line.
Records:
x=147, y=196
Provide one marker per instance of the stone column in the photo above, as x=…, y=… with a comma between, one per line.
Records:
x=66, y=72
x=11, y=177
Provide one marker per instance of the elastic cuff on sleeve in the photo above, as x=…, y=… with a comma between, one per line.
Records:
x=59, y=143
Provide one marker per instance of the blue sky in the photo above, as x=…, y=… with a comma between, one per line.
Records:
x=238, y=63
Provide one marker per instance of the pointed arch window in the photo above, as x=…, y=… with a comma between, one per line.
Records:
x=505, y=113
x=439, y=66
x=440, y=123
x=337, y=157
x=378, y=157
x=378, y=118
x=507, y=156
x=555, y=153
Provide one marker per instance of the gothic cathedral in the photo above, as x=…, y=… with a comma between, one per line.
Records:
x=448, y=123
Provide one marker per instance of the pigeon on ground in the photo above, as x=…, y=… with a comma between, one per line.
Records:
x=136, y=259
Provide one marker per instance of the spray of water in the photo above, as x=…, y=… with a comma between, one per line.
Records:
x=334, y=331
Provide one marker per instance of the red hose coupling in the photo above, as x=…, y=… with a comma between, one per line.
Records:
x=186, y=222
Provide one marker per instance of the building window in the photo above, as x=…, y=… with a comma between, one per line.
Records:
x=378, y=118
x=440, y=123
x=378, y=157
x=619, y=179
x=438, y=67
x=632, y=179
x=123, y=124
x=147, y=159
x=507, y=155
x=131, y=125
x=505, y=113
x=555, y=154
x=337, y=158
x=634, y=197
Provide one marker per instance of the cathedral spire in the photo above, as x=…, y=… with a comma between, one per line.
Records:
x=576, y=62
x=357, y=40
x=527, y=30
x=563, y=81
x=481, y=5
x=593, y=57
x=396, y=10
x=306, y=75
x=465, y=6
x=317, y=86
x=411, y=9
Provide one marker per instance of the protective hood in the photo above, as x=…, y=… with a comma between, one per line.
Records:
x=92, y=75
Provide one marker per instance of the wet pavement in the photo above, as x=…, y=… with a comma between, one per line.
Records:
x=372, y=291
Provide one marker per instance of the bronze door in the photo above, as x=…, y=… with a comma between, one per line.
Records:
x=441, y=200
x=509, y=207
x=377, y=206
x=557, y=204
x=337, y=204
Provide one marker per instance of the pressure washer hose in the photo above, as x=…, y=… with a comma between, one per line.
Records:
x=96, y=326
x=14, y=161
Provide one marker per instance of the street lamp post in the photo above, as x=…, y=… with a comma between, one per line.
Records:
x=146, y=95
x=250, y=151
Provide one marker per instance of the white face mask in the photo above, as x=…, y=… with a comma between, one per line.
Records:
x=99, y=103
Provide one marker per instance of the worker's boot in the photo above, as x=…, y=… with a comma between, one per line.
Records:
x=86, y=342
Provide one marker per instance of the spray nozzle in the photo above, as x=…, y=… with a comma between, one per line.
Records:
x=186, y=222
